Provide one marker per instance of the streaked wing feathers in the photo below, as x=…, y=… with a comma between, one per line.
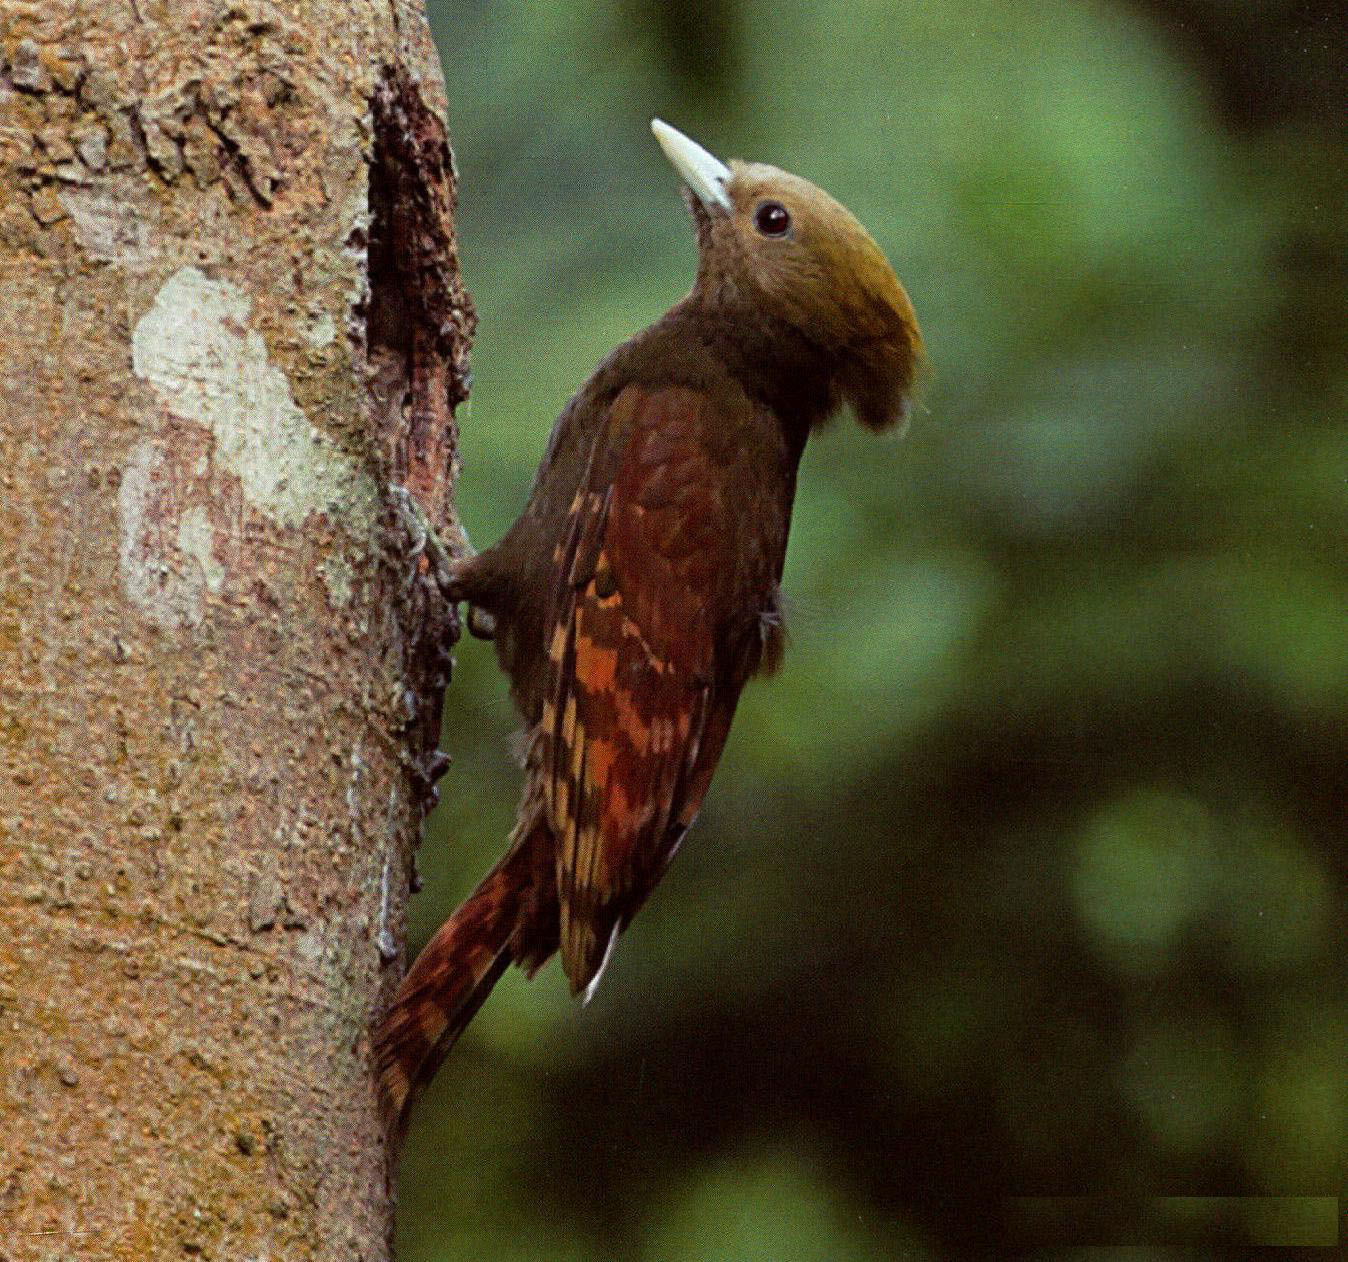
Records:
x=631, y=666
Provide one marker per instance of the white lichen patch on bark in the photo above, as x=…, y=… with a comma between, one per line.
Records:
x=321, y=330
x=195, y=348
x=384, y=937
x=196, y=539
x=339, y=579
x=166, y=595
x=109, y=225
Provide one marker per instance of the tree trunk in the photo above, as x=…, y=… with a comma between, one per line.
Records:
x=230, y=324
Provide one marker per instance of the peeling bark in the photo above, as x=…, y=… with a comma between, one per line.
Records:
x=231, y=325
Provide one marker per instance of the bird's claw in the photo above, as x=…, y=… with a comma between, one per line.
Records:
x=425, y=542
x=444, y=569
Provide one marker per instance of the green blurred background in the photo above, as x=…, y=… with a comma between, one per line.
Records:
x=1025, y=877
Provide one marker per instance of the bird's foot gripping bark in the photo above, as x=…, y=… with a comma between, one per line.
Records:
x=444, y=568
x=425, y=542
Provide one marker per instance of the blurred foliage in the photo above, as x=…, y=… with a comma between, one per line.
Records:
x=1026, y=876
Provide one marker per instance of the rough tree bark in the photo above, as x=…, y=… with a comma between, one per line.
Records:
x=230, y=323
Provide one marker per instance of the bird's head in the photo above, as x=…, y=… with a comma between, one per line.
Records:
x=775, y=245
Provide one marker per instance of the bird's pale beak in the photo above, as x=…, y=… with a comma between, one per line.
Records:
x=705, y=175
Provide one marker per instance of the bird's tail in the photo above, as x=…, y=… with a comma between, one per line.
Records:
x=497, y=924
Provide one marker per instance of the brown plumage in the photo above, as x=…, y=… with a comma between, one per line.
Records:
x=637, y=592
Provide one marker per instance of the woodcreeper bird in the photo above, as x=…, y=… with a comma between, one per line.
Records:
x=638, y=590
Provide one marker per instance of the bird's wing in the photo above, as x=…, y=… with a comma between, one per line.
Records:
x=634, y=720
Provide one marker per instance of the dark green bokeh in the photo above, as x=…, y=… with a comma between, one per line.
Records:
x=1026, y=876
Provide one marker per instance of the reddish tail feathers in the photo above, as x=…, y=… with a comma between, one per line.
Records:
x=510, y=918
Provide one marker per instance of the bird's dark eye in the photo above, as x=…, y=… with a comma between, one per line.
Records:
x=771, y=219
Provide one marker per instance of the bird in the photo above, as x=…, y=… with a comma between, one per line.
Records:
x=639, y=589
